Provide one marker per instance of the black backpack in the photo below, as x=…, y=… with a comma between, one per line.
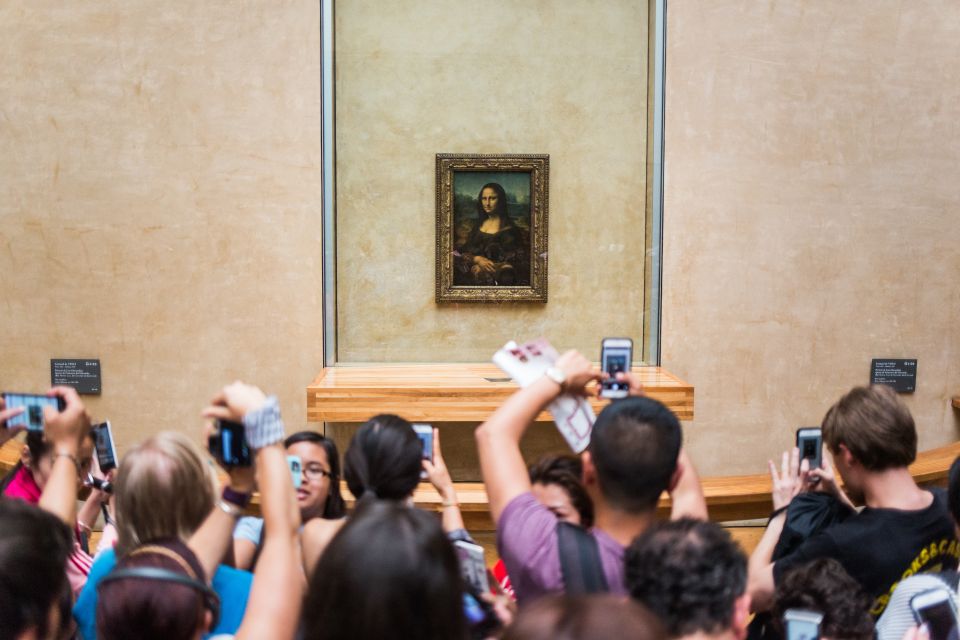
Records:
x=580, y=561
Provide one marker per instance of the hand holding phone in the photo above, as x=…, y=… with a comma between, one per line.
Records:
x=616, y=356
x=26, y=409
x=936, y=609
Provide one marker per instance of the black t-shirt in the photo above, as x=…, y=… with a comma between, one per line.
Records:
x=881, y=547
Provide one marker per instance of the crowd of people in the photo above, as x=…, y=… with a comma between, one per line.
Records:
x=582, y=553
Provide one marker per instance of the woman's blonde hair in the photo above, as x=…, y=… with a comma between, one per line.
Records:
x=164, y=489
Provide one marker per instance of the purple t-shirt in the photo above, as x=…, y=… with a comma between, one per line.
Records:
x=527, y=542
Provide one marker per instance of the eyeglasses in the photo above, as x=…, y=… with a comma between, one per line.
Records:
x=315, y=472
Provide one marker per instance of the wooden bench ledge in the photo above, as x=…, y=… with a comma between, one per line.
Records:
x=728, y=497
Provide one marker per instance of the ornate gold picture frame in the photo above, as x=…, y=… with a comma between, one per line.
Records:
x=492, y=213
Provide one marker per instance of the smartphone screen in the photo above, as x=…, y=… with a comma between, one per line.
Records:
x=935, y=610
x=106, y=451
x=810, y=444
x=425, y=433
x=33, y=404
x=801, y=624
x=616, y=356
x=229, y=445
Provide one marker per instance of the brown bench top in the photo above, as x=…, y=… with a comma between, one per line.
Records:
x=452, y=392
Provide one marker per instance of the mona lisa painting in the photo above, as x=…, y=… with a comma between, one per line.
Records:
x=492, y=228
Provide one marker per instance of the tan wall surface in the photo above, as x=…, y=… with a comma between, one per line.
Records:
x=421, y=77
x=160, y=201
x=811, y=215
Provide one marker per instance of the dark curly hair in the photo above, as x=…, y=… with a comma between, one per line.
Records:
x=825, y=586
x=689, y=573
x=566, y=472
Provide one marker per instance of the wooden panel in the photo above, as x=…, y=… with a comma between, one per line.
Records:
x=729, y=498
x=447, y=392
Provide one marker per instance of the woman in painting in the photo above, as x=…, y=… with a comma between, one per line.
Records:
x=493, y=249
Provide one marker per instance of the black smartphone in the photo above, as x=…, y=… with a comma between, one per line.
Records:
x=616, y=356
x=228, y=444
x=801, y=624
x=810, y=444
x=482, y=620
x=33, y=404
x=106, y=449
x=936, y=609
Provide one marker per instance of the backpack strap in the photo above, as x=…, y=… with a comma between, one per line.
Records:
x=580, y=562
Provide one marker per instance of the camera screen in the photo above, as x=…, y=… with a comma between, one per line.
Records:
x=104, y=448
x=616, y=361
x=233, y=445
x=809, y=449
x=425, y=433
x=32, y=416
x=802, y=630
x=941, y=621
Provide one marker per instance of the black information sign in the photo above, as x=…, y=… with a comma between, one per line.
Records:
x=899, y=374
x=83, y=375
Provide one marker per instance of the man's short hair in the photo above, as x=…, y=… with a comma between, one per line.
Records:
x=825, y=586
x=634, y=447
x=874, y=425
x=689, y=573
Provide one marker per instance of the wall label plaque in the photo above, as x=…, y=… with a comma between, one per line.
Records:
x=901, y=374
x=82, y=374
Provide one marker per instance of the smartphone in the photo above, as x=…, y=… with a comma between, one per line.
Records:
x=425, y=433
x=228, y=444
x=482, y=620
x=472, y=565
x=33, y=404
x=296, y=470
x=810, y=444
x=106, y=449
x=937, y=610
x=616, y=356
x=801, y=624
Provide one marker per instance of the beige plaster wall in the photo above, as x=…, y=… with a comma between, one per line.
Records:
x=811, y=216
x=160, y=200
x=420, y=77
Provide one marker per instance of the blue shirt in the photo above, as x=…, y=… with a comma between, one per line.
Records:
x=232, y=585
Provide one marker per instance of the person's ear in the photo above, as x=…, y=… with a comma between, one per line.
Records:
x=741, y=616
x=589, y=473
x=844, y=454
x=25, y=458
x=207, y=621
x=675, y=478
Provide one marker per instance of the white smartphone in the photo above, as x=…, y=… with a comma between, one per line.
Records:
x=425, y=433
x=106, y=449
x=936, y=609
x=801, y=624
x=472, y=565
x=616, y=356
